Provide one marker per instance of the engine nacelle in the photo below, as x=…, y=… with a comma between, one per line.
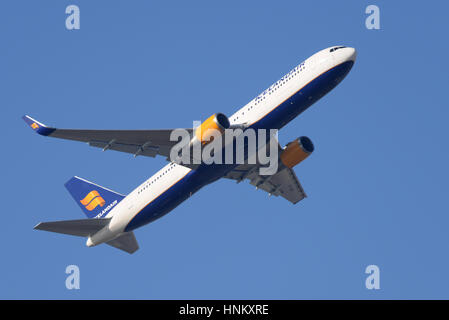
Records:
x=296, y=151
x=217, y=122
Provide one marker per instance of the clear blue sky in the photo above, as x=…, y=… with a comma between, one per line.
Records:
x=377, y=182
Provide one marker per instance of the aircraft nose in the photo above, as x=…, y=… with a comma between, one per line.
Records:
x=351, y=54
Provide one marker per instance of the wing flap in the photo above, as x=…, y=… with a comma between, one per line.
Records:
x=284, y=183
x=135, y=149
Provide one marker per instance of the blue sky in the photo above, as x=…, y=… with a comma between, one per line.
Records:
x=377, y=181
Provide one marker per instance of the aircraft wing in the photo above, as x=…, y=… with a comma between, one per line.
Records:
x=284, y=183
x=137, y=142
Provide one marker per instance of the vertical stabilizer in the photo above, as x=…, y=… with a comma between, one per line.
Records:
x=94, y=200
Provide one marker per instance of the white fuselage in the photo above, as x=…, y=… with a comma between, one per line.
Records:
x=257, y=109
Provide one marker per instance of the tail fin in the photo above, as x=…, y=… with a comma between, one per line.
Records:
x=94, y=200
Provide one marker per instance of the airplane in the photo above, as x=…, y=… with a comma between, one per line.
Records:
x=112, y=216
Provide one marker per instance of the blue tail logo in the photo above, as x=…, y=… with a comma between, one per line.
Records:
x=94, y=200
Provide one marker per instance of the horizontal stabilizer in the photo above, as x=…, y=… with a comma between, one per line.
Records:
x=126, y=242
x=82, y=228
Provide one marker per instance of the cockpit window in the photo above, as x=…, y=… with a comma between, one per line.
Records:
x=336, y=48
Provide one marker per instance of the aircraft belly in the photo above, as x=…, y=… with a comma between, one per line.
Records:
x=179, y=191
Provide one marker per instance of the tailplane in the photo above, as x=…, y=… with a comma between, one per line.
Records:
x=94, y=200
x=126, y=242
x=89, y=227
x=81, y=228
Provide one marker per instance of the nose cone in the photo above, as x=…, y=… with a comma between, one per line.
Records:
x=350, y=53
x=342, y=54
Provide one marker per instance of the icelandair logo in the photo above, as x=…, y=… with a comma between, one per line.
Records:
x=92, y=200
x=109, y=207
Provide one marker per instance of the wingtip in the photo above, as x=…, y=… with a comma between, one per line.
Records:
x=36, y=227
x=37, y=126
x=131, y=251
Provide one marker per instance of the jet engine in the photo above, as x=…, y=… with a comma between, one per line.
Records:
x=217, y=122
x=296, y=151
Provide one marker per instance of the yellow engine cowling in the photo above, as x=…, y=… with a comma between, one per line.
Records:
x=217, y=122
x=296, y=151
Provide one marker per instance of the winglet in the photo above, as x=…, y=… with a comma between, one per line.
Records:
x=37, y=126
